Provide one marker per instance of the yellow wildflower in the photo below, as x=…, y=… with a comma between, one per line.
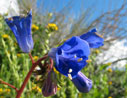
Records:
x=109, y=70
x=1, y=96
x=5, y=36
x=52, y=26
x=1, y=90
x=38, y=89
x=58, y=88
x=97, y=51
x=35, y=57
x=33, y=88
x=88, y=61
x=110, y=82
x=7, y=90
x=54, y=69
x=35, y=27
x=109, y=97
x=18, y=55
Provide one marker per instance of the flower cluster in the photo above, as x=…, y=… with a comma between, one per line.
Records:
x=35, y=27
x=70, y=57
x=6, y=36
x=73, y=55
x=52, y=27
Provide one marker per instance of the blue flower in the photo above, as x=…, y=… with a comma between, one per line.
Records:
x=95, y=40
x=21, y=27
x=82, y=83
x=73, y=54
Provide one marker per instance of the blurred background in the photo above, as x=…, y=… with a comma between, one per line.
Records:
x=108, y=65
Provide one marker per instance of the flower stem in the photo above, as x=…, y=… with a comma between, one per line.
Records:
x=51, y=63
x=34, y=64
x=2, y=82
x=31, y=58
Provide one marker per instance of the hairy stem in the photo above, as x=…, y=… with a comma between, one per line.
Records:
x=34, y=64
x=2, y=82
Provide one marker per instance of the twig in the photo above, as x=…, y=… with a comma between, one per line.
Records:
x=2, y=82
x=51, y=63
x=119, y=60
x=28, y=75
x=31, y=58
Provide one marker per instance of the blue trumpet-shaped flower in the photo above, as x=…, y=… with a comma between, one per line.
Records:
x=72, y=56
x=82, y=83
x=21, y=27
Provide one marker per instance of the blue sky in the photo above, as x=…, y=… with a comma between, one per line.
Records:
x=97, y=6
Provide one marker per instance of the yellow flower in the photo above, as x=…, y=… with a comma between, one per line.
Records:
x=35, y=27
x=58, y=88
x=110, y=82
x=88, y=61
x=33, y=88
x=1, y=90
x=109, y=70
x=38, y=89
x=18, y=55
x=35, y=57
x=5, y=36
x=54, y=69
x=97, y=51
x=1, y=96
x=7, y=90
x=52, y=26
x=109, y=97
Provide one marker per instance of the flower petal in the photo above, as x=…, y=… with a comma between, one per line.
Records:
x=52, y=53
x=65, y=56
x=82, y=83
x=21, y=27
x=93, y=38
